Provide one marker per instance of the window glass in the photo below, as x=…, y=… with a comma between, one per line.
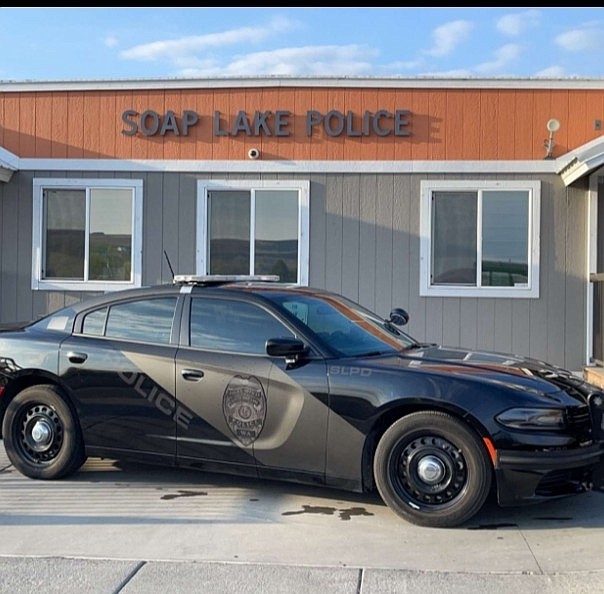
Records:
x=479, y=238
x=87, y=234
x=249, y=227
x=59, y=321
x=343, y=325
x=505, y=225
x=231, y=325
x=94, y=322
x=454, y=238
x=276, y=234
x=229, y=232
x=110, y=234
x=148, y=320
x=64, y=234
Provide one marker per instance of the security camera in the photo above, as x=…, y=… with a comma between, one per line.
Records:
x=253, y=153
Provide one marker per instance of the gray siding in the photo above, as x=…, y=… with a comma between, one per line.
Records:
x=364, y=242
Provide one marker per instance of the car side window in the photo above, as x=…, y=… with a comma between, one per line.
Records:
x=94, y=322
x=148, y=320
x=232, y=325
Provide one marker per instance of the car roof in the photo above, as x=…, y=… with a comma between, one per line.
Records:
x=219, y=279
x=194, y=284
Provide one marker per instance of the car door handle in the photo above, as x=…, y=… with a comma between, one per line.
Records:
x=192, y=375
x=77, y=357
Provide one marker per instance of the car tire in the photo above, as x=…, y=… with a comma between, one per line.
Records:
x=42, y=437
x=432, y=470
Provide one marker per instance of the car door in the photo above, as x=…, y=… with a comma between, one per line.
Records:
x=246, y=410
x=295, y=429
x=120, y=369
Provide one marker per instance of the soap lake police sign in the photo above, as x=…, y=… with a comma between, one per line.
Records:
x=381, y=122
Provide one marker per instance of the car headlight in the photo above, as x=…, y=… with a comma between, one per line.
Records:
x=532, y=418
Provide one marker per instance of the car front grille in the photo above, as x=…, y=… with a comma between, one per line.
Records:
x=596, y=407
x=564, y=482
x=579, y=421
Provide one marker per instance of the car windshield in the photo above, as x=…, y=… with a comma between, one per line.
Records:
x=346, y=327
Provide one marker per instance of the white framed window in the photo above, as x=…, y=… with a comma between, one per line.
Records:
x=479, y=239
x=87, y=234
x=253, y=227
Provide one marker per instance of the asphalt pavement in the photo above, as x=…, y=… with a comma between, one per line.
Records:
x=120, y=528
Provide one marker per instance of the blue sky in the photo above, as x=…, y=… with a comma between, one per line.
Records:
x=66, y=44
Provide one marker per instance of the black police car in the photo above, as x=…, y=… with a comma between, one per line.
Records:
x=258, y=378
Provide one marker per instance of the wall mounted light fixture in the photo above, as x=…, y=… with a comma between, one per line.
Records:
x=552, y=126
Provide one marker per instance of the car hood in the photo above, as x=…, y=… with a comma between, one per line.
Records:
x=489, y=366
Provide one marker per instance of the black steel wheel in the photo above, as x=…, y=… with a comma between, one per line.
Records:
x=432, y=470
x=42, y=438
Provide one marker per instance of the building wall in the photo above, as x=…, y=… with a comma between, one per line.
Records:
x=488, y=123
x=364, y=242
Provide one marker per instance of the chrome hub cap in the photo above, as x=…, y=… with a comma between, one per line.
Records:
x=41, y=433
x=431, y=470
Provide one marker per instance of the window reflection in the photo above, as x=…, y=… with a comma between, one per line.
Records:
x=64, y=233
x=505, y=222
x=480, y=238
x=276, y=234
x=229, y=232
x=230, y=325
x=268, y=218
x=110, y=234
x=147, y=320
x=97, y=231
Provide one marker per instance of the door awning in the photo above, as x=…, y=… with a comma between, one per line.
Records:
x=582, y=161
x=8, y=165
x=6, y=171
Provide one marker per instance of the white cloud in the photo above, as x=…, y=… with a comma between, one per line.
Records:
x=187, y=47
x=456, y=73
x=552, y=72
x=502, y=57
x=448, y=36
x=588, y=38
x=315, y=60
x=401, y=65
x=111, y=41
x=515, y=24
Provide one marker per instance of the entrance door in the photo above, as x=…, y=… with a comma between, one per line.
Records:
x=597, y=280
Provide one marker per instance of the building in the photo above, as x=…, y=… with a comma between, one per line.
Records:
x=472, y=203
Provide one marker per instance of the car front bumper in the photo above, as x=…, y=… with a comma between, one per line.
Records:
x=525, y=477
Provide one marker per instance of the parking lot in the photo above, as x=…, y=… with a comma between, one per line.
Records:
x=119, y=528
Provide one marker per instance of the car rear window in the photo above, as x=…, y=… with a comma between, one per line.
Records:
x=147, y=320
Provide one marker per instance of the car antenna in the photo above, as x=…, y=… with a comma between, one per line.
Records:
x=169, y=265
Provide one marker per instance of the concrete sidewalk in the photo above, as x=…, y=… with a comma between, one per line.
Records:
x=116, y=528
x=104, y=576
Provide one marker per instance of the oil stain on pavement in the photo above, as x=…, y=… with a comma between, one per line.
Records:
x=182, y=493
x=344, y=514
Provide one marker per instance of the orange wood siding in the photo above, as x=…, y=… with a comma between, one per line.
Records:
x=444, y=124
x=26, y=124
x=57, y=130
x=522, y=122
x=422, y=126
x=491, y=120
x=507, y=132
x=43, y=111
x=78, y=146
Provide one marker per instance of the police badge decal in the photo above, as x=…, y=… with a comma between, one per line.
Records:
x=244, y=408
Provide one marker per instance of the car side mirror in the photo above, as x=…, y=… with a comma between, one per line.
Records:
x=398, y=316
x=290, y=348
